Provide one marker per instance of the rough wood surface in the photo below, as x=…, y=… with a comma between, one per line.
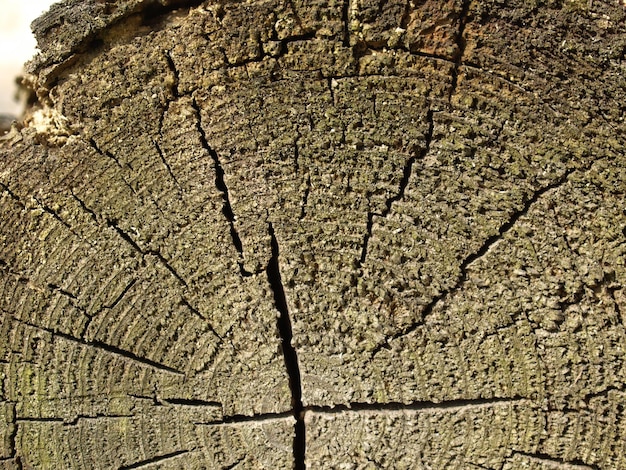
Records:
x=332, y=234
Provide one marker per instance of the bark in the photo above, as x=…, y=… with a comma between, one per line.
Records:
x=328, y=234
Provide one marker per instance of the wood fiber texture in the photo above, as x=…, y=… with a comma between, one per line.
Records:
x=336, y=234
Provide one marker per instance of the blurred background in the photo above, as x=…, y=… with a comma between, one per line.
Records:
x=17, y=45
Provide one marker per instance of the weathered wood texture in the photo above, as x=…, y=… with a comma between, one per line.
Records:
x=358, y=234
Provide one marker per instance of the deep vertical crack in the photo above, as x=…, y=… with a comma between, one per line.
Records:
x=305, y=198
x=289, y=352
x=404, y=182
x=618, y=310
x=345, y=17
x=12, y=436
x=220, y=184
x=406, y=15
x=458, y=59
x=176, y=80
x=296, y=153
x=331, y=88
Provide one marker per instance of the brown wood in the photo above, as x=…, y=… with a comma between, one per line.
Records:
x=336, y=234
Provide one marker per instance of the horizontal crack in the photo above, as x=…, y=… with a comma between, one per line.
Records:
x=450, y=405
x=383, y=408
x=30, y=419
x=242, y=419
x=97, y=417
x=192, y=402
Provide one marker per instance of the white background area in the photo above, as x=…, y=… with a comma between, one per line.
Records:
x=17, y=45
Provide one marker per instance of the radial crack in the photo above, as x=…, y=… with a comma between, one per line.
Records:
x=84, y=206
x=305, y=198
x=166, y=164
x=47, y=209
x=126, y=237
x=55, y=215
x=345, y=17
x=234, y=464
x=556, y=462
x=108, y=348
x=458, y=60
x=289, y=352
x=119, y=298
x=220, y=183
x=12, y=195
x=477, y=465
x=236, y=420
x=12, y=432
x=46, y=288
x=172, y=66
x=449, y=405
x=196, y=312
x=486, y=246
x=159, y=459
x=106, y=153
x=192, y=402
x=404, y=182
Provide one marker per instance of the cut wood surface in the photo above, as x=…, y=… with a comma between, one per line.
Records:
x=327, y=234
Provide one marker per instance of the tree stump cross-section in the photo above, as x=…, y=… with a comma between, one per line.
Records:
x=327, y=234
